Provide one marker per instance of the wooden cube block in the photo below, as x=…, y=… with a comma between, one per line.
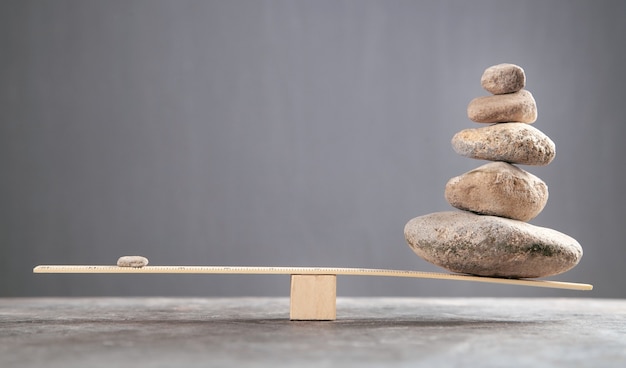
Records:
x=313, y=297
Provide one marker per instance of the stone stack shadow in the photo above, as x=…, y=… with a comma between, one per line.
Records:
x=490, y=235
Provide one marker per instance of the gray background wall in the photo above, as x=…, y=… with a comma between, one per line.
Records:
x=302, y=133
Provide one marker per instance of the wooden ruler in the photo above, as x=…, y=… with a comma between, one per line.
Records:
x=304, y=271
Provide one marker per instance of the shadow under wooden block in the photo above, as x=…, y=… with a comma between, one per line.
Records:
x=313, y=298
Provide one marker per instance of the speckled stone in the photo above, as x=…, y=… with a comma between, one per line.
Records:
x=132, y=261
x=503, y=78
x=498, y=189
x=516, y=143
x=492, y=246
x=513, y=107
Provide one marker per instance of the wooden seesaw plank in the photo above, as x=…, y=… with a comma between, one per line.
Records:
x=305, y=271
x=313, y=289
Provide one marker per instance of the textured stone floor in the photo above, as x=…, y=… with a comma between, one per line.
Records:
x=398, y=332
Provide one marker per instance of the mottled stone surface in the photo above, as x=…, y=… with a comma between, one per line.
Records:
x=491, y=246
x=498, y=189
x=516, y=143
x=503, y=78
x=132, y=261
x=513, y=107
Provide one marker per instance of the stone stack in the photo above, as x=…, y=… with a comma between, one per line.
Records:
x=490, y=236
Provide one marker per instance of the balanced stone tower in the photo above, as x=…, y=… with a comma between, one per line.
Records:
x=490, y=235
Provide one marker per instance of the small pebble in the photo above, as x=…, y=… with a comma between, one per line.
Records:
x=503, y=78
x=132, y=261
x=512, y=107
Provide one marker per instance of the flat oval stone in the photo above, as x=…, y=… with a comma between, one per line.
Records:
x=503, y=78
x=492, y=246
x=516, y=143
x=498, y=189
x=513, y=107
x=132, y=261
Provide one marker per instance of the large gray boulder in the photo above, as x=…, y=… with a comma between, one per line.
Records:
x=464, y=242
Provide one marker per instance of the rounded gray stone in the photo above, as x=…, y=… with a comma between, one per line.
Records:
x=516, y=143
x=503, y=78
x=498, y=189
x=492, y=246
x=132, y=261
x=513, y=107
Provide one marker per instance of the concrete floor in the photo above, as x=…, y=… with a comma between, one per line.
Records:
x=398, y=332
